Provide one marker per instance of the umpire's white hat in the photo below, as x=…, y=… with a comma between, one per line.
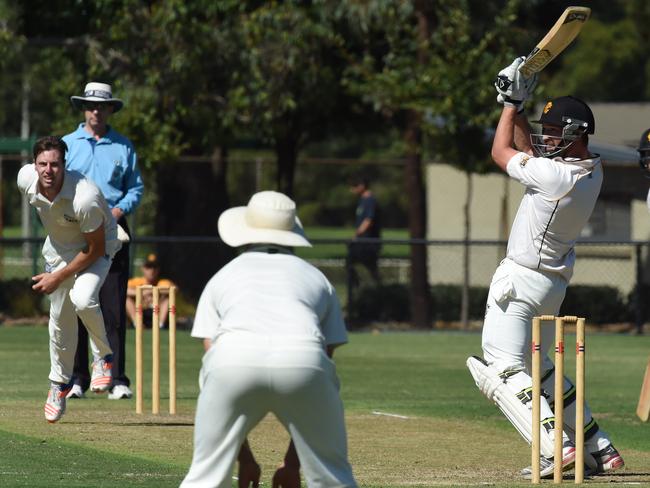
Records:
x=97, y=93
x=269, y=218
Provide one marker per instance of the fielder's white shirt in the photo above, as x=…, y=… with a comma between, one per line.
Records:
x=559, y=199
x=270, y=293
x=78, y=209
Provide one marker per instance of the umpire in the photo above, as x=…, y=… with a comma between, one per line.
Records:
x=108, y=158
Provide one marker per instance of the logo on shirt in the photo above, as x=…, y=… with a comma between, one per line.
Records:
x=70, y=219
x=524, y=161
x=118, y=171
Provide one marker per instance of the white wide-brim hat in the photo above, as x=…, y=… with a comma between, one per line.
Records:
x=98, y=93
x=269, y=218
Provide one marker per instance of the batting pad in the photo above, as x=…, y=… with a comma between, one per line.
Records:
x=511, y=391
x=591, y=427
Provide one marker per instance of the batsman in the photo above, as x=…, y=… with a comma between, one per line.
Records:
x=562, y=180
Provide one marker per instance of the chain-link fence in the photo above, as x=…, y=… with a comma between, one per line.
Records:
x=609, y=285
x=610, y=282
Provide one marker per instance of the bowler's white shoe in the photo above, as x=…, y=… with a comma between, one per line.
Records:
x=102, y=377
x=55, y=404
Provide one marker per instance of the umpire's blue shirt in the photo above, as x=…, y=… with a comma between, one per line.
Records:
x=110, y=162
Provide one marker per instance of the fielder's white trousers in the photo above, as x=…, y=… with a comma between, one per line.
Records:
x=517, y=294
x=246, y=376
x=77, y=296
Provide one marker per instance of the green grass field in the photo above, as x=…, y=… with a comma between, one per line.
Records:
x=325, y=251
x=450, y=436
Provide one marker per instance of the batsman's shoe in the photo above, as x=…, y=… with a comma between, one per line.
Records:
x=76, y=392
x=607, y=459
x=547, y=466
x=102, y=376
x=55, y=404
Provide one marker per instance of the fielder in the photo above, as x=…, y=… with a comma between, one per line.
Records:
x=80, y=244
x=562, y=179
x=270, y=322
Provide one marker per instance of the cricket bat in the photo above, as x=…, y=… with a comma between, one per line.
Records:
x=565, y=30
x=643, y=409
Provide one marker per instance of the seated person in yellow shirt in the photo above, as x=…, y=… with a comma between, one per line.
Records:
x=150, y=276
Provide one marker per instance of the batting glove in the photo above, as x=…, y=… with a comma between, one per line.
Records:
x=512, y=88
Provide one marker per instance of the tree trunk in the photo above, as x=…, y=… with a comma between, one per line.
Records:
x=413, y=176
x=286, y=150
x=191, y=198
x=464, y=302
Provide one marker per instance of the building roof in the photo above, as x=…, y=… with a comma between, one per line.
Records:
x=620, y=123
x=615, y=155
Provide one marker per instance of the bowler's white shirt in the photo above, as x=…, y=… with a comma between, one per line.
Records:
x=78, y=209
x=559, y=199
x=270, y=293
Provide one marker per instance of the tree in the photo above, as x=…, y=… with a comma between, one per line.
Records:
x=200, y=75
x=459, y=134
x=196, y=76
x=11, y=46
x=287, y=88
x=617, y=65
x=434, y=59
x=164, y=58
x=387, y=72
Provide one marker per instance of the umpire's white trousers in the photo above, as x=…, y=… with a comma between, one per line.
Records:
x=244, y=377
x=78, y=295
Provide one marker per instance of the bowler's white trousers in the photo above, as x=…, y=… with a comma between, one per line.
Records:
x=78, y=295
x=245, y=376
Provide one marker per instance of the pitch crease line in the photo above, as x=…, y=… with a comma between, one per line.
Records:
x=375, y=412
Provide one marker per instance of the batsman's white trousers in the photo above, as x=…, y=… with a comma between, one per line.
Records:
x=78, y=295
x=517, y=294
x=245, y=376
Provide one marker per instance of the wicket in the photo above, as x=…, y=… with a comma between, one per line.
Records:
x=559, y=395
x=155, y=349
